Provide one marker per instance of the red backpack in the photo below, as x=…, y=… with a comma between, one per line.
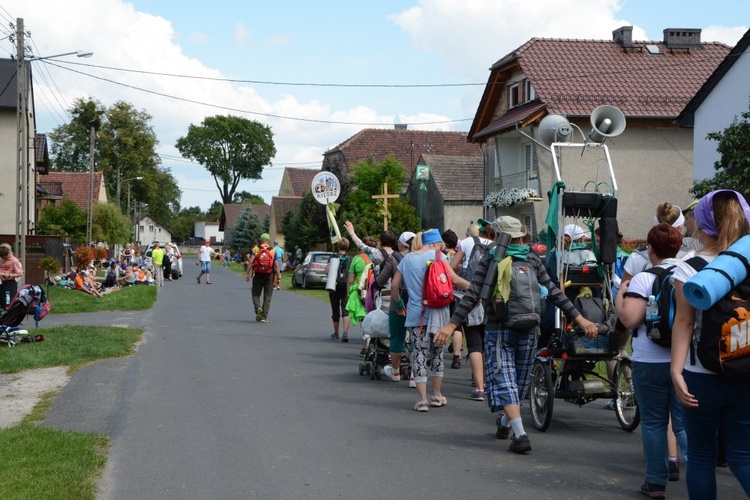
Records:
x=437, y=289
x=263, y=263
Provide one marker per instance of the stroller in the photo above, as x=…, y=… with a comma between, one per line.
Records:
x=375, y=325
x=29, y=301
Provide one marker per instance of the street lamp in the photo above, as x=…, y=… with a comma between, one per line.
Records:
x=23, y=145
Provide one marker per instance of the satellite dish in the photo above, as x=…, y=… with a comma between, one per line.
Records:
x=606, y=121
x=554, y=128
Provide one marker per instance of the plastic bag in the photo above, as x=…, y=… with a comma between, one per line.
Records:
x=376, y=324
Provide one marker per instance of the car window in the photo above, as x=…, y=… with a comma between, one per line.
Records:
x=307, y=258
x=321, y=258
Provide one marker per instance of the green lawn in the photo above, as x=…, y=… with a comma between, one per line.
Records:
x=65, y=300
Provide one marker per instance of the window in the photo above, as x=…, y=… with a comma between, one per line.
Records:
x=150, y=229
x=494, y=158
x=142, y=229
x=513, y=95
x=529, y=94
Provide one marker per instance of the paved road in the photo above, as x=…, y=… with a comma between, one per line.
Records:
x=216, y=406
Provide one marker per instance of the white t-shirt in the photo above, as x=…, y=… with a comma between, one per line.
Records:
x=638, y=261
x=205, y=253
x=644, y=349
x=682, y=273
x=467, y=245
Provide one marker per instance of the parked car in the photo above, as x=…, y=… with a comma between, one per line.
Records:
x=311, y=271
x=176, y=266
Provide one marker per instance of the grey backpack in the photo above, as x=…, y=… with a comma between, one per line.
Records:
x=522, y=310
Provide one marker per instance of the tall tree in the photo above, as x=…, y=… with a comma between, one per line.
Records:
x=246, y=230
x=231, y=148
x=307, y=228
x=125, y=144
x=213, y=214
x=733, y=168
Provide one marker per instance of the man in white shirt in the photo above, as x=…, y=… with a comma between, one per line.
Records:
x=204, y=260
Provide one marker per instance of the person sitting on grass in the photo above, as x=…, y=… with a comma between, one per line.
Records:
x=129, y=276
x=80, y=285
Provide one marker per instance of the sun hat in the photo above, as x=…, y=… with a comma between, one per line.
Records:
x=405, y=237
x=504, y=224
x=431, y=236
x=690, y=207
x=575, y=232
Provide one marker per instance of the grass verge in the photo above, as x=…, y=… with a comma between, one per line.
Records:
x=286, y=284
x=65, y=300
x=49, y=463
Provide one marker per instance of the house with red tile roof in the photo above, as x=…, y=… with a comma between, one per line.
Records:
x=231, y=212
x=297, y=181
x=405, y=145
x=453, y=195
x=73, y=186
x=651, y=82
x=280, y=206
x=714, y=107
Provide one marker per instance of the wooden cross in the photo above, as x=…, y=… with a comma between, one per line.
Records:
x=384, y=197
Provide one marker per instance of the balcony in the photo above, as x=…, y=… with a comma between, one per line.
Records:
x=521, y=180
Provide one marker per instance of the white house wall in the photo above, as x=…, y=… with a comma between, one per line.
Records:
x=459, y=216
x=8, y=185
x=729, y=98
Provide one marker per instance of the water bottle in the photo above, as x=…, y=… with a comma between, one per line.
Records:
x=652, y=318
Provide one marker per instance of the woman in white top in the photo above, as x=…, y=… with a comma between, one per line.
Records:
x=651, y=377
x=710, y=400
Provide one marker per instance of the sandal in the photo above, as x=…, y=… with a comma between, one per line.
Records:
x=438, y=400
x=422, y=406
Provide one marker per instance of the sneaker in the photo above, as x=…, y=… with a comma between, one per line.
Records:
x=264, y=320
x=363, y=353
x=654, y=490
x=388, y=372
x=345, y=338
x=335, y=336
x=502, y=432
x=520, y=444
x=412, y=383
x=259, y=315
x=674, y=471
x=476, y=395
x=611, y=405
x=456, y=362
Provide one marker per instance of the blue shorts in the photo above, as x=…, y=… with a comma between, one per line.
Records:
x=205, y=266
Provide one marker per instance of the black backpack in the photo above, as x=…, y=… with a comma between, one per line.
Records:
x=522, y=310
x=343, y=273
x=723, y=346
x=478, y=251
x=659, y=329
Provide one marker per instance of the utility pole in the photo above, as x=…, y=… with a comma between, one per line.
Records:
x=90, y=218
x=22, y=153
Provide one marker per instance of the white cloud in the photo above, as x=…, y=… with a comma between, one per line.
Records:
x=240, y=33
x=729, y=36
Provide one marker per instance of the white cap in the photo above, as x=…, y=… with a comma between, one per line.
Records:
x=576, y=232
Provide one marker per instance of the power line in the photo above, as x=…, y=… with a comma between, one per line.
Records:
x=237, y=110
x=286, y=84
x=7, y=15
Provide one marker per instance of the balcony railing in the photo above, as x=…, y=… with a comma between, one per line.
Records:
x=521, y=180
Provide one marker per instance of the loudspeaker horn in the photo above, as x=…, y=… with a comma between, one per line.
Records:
x=554, y=128
x=606, y=121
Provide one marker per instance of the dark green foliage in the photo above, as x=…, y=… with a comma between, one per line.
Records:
x=307, y=228
x=246, y=230
x=65, y=219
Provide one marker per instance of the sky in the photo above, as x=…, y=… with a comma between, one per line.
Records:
x=315, y=72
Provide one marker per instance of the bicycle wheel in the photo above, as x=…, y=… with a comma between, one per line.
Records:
x=542, y=395
x=626, y=404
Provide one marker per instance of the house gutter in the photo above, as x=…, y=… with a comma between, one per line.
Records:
x=485, y=177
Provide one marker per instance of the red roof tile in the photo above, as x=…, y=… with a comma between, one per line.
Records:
x=458, y=178
x=300, y=179
x=231, y=212
x=75, y=186
x=405, y=145
x=572, y=77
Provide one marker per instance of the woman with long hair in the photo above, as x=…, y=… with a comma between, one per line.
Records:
x=709, y=399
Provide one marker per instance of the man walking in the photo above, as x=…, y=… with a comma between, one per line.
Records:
x=204, y=259
x=264, y=267
x=157, y=257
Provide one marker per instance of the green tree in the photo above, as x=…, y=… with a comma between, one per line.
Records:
x=183, y=225
x=125, y=144
x=249, y=198
x=110, y=225
x=246, y=230
x=366, y=213
x=265, y=226
x=231, y=148
x=213, y=213
x=64, y=220
x=307, y=228
x=733, y=168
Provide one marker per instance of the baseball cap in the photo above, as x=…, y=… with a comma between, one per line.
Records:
x=265, y=236
x=504, y=224
x=405, y=237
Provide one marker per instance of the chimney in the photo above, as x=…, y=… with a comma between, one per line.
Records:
x=624, y=36
x=400, y=126
x=682, y=38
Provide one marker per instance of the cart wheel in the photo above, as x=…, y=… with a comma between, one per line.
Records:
x=362, y=368
x=542, y=395
x=626, y=405
x=368, y=368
